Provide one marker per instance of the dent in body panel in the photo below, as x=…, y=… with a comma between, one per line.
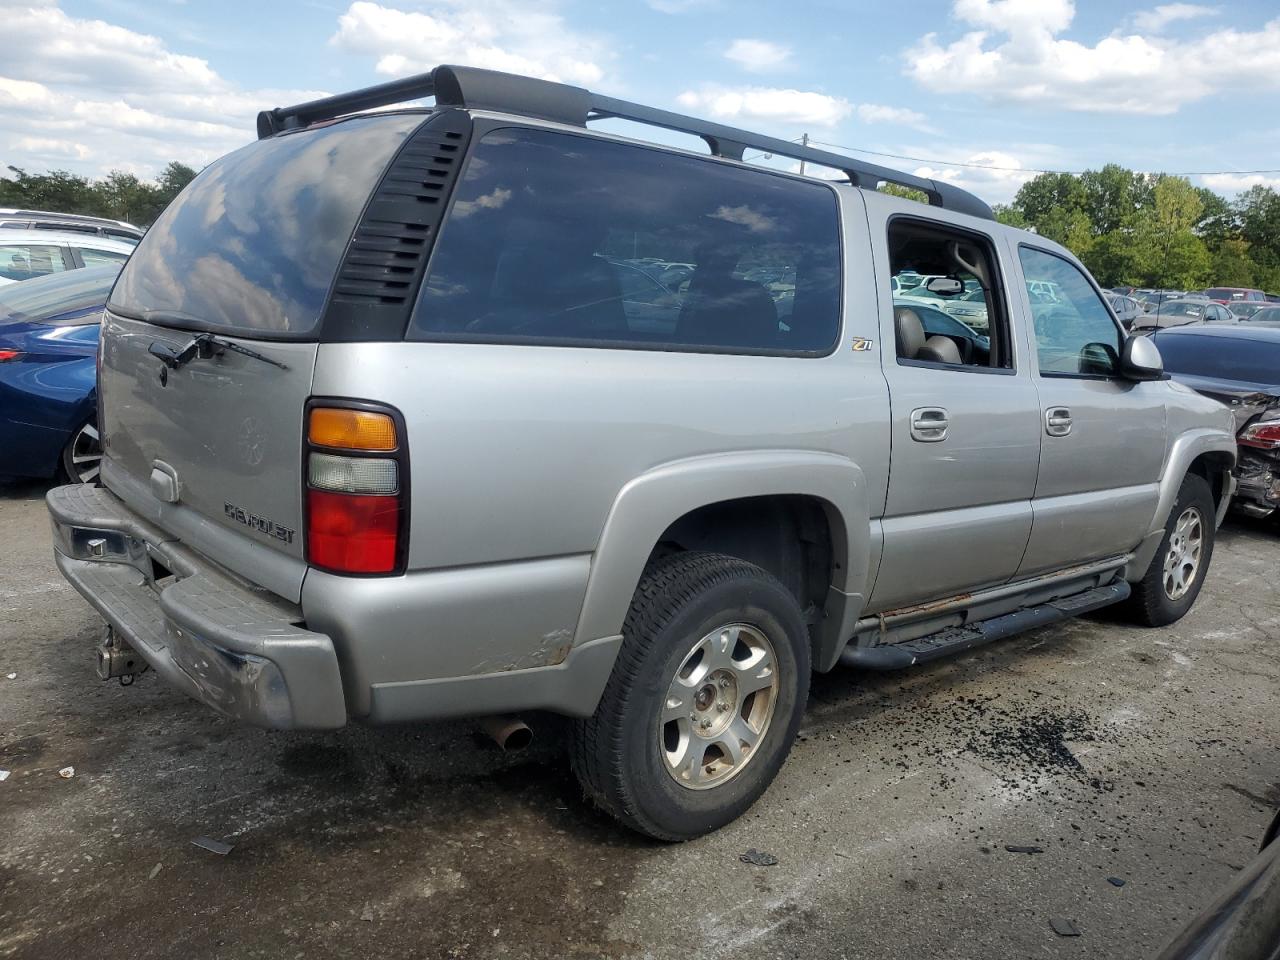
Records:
x=451, y=623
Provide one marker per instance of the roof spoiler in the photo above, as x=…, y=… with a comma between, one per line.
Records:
x=474, y=89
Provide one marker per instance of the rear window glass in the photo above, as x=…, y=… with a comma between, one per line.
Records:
x=1221, y=358
x=63, y=299
x=561, y=239
x=252, y=244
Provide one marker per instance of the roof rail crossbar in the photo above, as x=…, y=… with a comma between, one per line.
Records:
x=477, y=89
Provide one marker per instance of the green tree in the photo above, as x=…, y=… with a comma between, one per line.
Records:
x=1231, y=265
x=1043, y=194
x=1110, y=197
x=55, y=190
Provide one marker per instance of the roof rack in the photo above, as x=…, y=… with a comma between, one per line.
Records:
x=475, y=89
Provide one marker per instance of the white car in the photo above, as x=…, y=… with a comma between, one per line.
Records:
x=35, y=253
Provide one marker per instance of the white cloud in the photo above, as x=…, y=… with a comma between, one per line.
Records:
x=1016, y=54
x=996, y=178
x=768, y=103
x=800, y=107
x=1155, y=20
x=878, y=113
x=757, y=55
x=1236, y=182
x=516, y=37
x=91, y=96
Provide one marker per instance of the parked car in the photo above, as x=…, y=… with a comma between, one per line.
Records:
x=384, y=442
x=35, y=253
x=1245, y=309
x=70, y=223
x=48, y=342
x=1176, y=313
x=1234, y=294
x=1127, y=310
x=1239, y=366
x=1243, y=921
x=1266, y=314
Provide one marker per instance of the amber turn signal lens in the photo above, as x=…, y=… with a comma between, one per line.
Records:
x=351, y=429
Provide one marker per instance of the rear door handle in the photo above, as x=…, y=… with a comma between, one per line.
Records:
x=1057, y=421
x=929, y=424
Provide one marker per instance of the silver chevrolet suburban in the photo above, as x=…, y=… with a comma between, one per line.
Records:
x=485, y=407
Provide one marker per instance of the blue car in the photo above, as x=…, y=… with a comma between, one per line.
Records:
x=48, y=376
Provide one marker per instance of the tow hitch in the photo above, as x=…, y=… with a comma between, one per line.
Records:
x=117, y=659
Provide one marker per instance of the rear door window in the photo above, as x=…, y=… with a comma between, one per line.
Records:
x=22, y=261
x=556, y=238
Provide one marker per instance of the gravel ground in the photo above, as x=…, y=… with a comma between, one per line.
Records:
x=1147, y=756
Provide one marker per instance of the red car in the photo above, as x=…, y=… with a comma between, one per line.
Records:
x=1233, y=294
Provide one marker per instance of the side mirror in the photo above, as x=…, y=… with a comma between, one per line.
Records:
x=945, y=286
x=1140, y=359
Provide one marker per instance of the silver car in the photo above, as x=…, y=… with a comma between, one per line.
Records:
x=387, y=439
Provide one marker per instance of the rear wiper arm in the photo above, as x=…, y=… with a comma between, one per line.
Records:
x=204, y=346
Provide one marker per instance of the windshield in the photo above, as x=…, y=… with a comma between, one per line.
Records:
x=60, y=298
x=252, y=244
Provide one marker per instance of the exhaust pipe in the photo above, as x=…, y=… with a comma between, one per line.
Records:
x=509, y=733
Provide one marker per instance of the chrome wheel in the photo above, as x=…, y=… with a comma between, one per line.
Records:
x=1182, y=561
x=83, y=456
x=718, y=706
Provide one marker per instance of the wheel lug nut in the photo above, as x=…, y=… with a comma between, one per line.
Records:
x=706, y=724
x=723, y=707
x=724, y=682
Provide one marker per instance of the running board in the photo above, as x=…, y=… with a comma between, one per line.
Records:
x=906, y=653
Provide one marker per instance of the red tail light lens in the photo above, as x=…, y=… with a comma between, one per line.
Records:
x=7, y=355
x=357, y=488
x=1264, y=434
x=352, y=533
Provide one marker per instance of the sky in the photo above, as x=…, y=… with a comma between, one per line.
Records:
x=1012, y=86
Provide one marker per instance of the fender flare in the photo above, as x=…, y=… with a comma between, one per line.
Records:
x=1182, y=453
x=651, y=502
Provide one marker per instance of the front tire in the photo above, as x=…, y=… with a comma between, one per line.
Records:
x=704, y=701
x=1173, y=581
x=82, y=456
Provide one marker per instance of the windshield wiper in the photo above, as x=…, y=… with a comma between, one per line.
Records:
x=204, y=346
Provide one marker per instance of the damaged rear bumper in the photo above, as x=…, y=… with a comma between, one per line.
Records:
x=235, y=648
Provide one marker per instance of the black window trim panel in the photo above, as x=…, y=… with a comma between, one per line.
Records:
x=482, y=126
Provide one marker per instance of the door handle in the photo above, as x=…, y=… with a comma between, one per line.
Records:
x=929, y=424
x=1057, y=421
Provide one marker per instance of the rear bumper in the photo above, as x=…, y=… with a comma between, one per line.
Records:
x=230, y=646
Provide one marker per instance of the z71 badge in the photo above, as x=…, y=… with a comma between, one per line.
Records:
x=861, y=344
x=255, y=522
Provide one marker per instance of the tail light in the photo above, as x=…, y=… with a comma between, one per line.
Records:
x=357, y=488
x=1264, y=434
x=7, y=355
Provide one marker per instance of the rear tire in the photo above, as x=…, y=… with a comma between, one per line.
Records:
x=704, y=701
x=1173, y=581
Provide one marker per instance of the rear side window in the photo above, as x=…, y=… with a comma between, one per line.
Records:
x=97, y=258
x=252, y=244
x=561, y=239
